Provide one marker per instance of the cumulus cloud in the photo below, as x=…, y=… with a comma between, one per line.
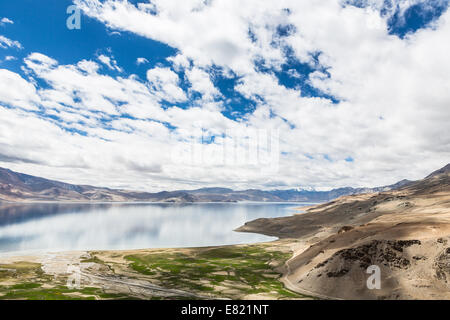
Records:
x=141, y=60
x=17, y=92
x=165, y=84
x=223, y=28
x=201, y=82
x=5, y=20
x=8, y=43
x=109, y=62
x=380, y=100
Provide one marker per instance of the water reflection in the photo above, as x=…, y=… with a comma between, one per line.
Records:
x=59, y=227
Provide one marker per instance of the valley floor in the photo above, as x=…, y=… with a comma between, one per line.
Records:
x=229, y=272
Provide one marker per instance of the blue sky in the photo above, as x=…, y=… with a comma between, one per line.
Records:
x=157, y=73
x=39, y=26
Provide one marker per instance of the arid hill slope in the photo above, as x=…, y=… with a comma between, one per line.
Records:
x=405, y=232
x=19, y=187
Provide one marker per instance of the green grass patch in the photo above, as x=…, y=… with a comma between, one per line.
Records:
x=30, y=285
x=247, y=267
x=33, y=291
x=93, y=259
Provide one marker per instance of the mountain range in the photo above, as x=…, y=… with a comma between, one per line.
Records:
x=19, y=187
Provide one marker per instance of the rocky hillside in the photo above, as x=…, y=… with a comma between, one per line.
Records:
x=405, y=232
x=16, y=186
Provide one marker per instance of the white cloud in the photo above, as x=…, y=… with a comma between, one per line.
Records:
x=5, y=20
x=164, y=83
x=201, y=82
x=109, y=62
x=88, y=66
x=16, y=91
x=141, y=60
x=223, y=27
x=8, y=43
x=179, y=62
x=40, y=62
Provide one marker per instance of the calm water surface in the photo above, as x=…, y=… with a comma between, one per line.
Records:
x=61, y=227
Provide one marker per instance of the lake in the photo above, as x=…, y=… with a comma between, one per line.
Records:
x=63, y=227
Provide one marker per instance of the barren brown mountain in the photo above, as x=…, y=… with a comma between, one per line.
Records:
x=405, y=232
